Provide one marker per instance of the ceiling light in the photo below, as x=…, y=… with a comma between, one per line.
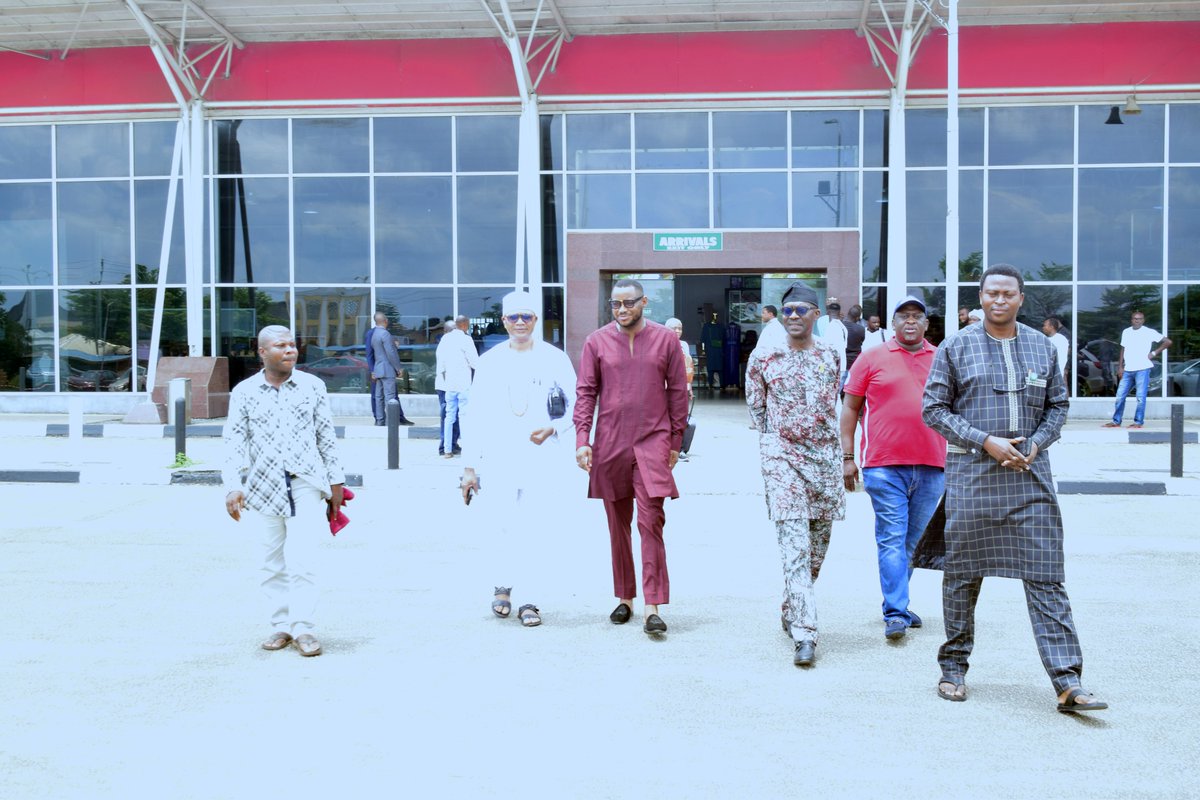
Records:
x=1131, y=105
x=1114, y=117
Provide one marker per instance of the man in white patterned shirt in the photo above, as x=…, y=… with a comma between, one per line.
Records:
x=282, y=467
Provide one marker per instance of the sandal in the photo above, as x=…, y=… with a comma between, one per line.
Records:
x=501, y=608
x=1071, y=704
x=957, y=692
x=529, y=616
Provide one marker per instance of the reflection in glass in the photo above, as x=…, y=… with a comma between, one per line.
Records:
x=482, y=305
x=1183, y=326
x=153, y=147
x=330, y=145
x=487, y=228
x=750, y=199
x=926, y=225
x=552, y=152
x=925, y=137
x=1102, y=313
x=824, y=139
x=150, y=206
x=27, y=349
x=252, y=215
x=599, y=201
x=93, y=232
x=331, y=324
x=671, y=140
x=825, y=199
x=1120, y=224
x=874, y=227
x=1139, y=140
x=413, y=230
x=875, y=138
x=251, y=146
x=98, y=150
x=26, y=234
x=874, y=304
x=24, y=152
x=332, y=229
x=749, y=139
x=970, y=224
x=1031, y=135
x=553, y=229
x=415, y=317
x=672, y=200
x=1183, y=245
x=487, y=143
x=597, y=141
x=244, y=311
x=172, y=339
x=95, y=329
x=1185, y=133
x=1029, y=223
x=553, y=314
x=412, y=144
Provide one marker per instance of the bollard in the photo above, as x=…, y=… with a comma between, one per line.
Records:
x=393, y=429
x=1177, y=440
x=180, y=427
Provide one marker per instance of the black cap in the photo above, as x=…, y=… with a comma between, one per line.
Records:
x=801, y=292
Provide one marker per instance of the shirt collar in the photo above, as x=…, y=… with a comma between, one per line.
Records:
x=261, y=377
x=894, y=344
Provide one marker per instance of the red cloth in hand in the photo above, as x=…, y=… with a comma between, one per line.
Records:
x=341, y=520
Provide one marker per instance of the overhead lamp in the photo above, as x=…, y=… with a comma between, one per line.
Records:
x=1114, y=116
x=1131, y=105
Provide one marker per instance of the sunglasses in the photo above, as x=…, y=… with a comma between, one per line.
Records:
x=515, y=318
x=796, y=310
x=615, y=304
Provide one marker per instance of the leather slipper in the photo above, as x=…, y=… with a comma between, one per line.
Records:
x=308, y=645
x=278, y=641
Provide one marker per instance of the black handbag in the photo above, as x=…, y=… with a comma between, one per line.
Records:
x=556, y=402
x=689, y=432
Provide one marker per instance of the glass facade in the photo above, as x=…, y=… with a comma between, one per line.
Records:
x=316, y=222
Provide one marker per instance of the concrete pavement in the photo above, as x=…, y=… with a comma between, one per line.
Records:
x=131, y=626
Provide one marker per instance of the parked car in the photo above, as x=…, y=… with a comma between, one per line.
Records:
x=91, y=380
x=1183, y=379
x=340, y=373
x=416, y=377
x=1096, y=367
x=121, y=383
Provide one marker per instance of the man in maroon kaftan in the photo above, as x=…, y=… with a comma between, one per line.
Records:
x=632, y=374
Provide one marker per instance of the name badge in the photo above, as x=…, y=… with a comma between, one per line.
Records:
x=1032, y=379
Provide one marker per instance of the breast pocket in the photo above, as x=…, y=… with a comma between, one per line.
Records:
x=1035, y=396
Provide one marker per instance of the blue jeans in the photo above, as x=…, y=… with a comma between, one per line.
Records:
x=441, y=396
x=454, y=402
x=1142, y=376
x=904, y=498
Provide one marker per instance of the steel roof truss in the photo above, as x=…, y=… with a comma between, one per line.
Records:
x=527, y=53
x=170, y=38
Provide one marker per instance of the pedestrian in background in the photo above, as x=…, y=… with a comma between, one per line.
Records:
x=455, y=359
x=995, y=393
x=632, y=379
x=282, y=469
x=792, y=397
x=1052, y=327
x=1139, y=347
x=384, y=362
x=903, y=460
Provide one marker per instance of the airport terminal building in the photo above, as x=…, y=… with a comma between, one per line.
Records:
x=176, y=175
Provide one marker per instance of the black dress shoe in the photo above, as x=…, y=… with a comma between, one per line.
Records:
x=806, y=654
x=406, y=421
x=380, y=423
x=620, y=615
x=654, y=624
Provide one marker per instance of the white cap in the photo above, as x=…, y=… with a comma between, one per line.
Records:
x=515, y=302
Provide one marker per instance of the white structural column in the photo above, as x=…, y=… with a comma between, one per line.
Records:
x=897, y=244
x=193, y=227
x=527, y=268
x=952, y=187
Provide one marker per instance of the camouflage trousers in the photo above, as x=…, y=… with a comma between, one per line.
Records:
x=802, y=546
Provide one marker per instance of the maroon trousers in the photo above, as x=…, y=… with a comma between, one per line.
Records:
x=656, y=584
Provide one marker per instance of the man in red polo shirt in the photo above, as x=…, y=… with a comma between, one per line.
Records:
x=903, y=460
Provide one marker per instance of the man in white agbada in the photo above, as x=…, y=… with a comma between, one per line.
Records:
x=772, y=336
x=513, y=451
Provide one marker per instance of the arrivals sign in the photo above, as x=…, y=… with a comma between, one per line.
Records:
x=675, y=242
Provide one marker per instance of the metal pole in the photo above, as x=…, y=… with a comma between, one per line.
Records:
x=1177, y=440
x=897, y=207
x=393, y=429
x=952, y=189
x=180, y=426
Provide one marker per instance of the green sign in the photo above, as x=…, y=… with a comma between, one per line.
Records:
x=675, y=242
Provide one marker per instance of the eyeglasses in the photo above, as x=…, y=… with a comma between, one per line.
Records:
x=796, y=310
x=909, y=316
x=515, y=318
x=615, y=304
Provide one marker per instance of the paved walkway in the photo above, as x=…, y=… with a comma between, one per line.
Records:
x=131, y=664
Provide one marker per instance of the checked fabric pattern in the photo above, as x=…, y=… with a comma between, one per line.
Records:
x=272, y=432
x=998, y=521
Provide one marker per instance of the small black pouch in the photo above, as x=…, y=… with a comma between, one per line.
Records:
x=556, y=402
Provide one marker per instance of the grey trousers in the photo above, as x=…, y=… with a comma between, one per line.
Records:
x=384, y=389
x=1049, y=613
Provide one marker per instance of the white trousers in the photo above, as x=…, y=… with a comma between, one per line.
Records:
x=290, y=551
